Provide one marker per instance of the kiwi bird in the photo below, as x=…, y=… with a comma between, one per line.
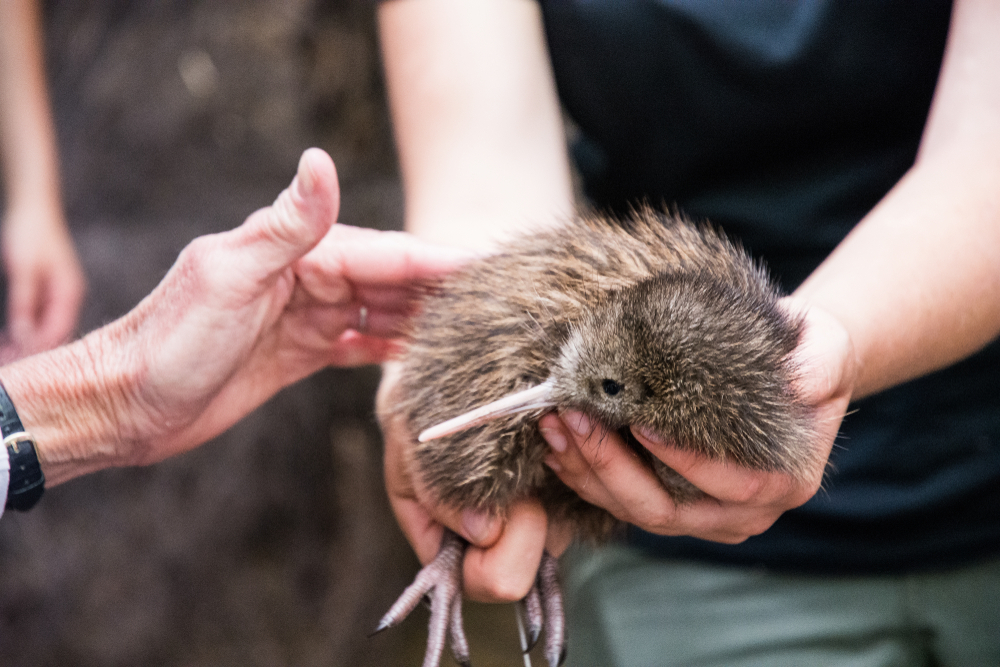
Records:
x=647, y=321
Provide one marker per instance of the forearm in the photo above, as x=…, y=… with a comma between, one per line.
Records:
x=477, y=121
x=70, y=400
x=916, y=284
x=27, y=136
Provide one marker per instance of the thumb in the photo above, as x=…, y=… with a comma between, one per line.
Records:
x=480, y=528
x=302, y=214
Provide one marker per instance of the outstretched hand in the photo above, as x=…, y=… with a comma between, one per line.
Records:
x=239, y=316
x=245, y=313
x=738, y=502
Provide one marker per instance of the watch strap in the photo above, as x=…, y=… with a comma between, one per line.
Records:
x=27, y=481
x=9, y=421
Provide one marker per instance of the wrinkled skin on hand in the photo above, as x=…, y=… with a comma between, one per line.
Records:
x=247, y=312
x=240, y=315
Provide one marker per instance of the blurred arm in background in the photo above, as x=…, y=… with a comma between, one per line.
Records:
x=45, y=283
x=483, y=153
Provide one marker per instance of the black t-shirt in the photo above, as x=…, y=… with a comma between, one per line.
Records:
x=784, y=122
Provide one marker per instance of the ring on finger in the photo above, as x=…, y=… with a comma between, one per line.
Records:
x=362, y=319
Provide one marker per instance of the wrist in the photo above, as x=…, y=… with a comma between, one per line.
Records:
x=74, y=401
x=826, y=356
x=34, y=182
x=34, y=209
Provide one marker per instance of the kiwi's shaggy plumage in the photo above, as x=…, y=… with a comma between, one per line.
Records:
x=650, y=321
x=683, y=321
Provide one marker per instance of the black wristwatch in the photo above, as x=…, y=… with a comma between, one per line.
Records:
x=27, y=481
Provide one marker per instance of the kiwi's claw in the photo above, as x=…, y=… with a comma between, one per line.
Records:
x=441, y=581
x=459, y=644
x=534, y=614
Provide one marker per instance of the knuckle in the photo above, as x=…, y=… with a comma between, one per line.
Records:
x=758, y=526
x=745, y=493
x=660, y=528
x=734, y=534
x=199, y=249
x=801, y=497
x=600, y=459
x=729, y=538
x=194, y=263
x=584, y=491
x=662, y=522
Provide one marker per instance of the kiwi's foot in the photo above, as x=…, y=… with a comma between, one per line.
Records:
x=550, y=593
x=441, y=581
x=543, y=607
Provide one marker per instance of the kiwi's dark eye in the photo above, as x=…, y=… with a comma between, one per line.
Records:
x=610, y=387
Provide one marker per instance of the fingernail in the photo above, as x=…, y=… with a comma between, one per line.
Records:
x=306, y=181
x=555, y=438
x=477, y=525
x=648, y=433
x=578, y=422
x=553, y=463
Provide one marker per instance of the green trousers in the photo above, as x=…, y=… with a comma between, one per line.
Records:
x=628, y=609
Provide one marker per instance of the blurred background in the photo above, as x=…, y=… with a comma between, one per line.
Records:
x=274, y=544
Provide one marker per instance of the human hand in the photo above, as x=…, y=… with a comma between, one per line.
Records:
x=239, y=316
x=45, y=284
x=504, y=551
x=247, y=312
x=739, y=502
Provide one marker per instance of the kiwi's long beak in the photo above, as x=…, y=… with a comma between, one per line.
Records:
x=539, y=396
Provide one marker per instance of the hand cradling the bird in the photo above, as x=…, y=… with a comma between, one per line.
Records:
x=648, y=322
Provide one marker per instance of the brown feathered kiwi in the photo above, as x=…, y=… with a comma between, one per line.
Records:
x=649, y=321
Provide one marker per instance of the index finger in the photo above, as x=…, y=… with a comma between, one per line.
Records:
x=370, y=257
